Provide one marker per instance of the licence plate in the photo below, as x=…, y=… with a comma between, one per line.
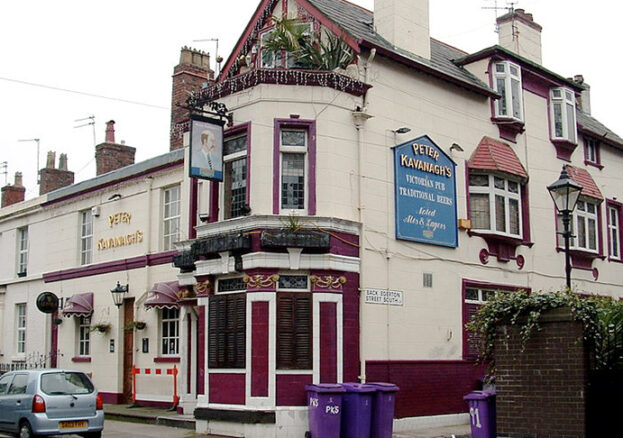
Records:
x=72, y=424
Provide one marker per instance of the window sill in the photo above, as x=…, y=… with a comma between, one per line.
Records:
x=583, y=260
x=614, y=260
x=81, y=359
x=509, y=128
x=502, y=247
x=162, y=359
x=564, y=149
x=593, y=164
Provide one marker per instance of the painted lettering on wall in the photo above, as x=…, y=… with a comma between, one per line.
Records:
x=125, y=240
x=425, y=193
x=118, y=218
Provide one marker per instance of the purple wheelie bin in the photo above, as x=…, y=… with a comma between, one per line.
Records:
x=357, y=410
x=383, y=410
x=482, y=413
x=324, y=402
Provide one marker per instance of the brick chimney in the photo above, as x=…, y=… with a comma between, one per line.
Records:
x=111, y=156
x=51, y=178
x=584, y=100
x=191, y=74
x=520, y=34
x=12, y=194
x=404, y=23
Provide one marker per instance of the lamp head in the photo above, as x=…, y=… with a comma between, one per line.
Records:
x=565, y=192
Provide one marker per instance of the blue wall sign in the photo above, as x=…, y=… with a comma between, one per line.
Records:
x=425, y=190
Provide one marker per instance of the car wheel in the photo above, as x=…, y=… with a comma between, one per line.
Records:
x=25, y=431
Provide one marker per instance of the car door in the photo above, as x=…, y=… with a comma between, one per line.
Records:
x=5, y=382
x=17, y=400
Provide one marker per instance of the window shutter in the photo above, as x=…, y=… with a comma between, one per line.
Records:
x=294, y=331
x=227, y=331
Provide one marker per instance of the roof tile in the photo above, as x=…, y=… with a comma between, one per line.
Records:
x=497, y=156
x=582, y=177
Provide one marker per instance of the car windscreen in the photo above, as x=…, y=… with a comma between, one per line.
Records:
x=63, y=383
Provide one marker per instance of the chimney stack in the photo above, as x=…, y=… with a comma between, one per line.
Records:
x=584, y=101
x=111, y=156
x=51, y=178
x=191, y=74
x=12, y=194
x=405, y=24
x=521, y=35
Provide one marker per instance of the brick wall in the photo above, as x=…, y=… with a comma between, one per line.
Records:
x=189, y=75
x=541, y=391
x=428, y=387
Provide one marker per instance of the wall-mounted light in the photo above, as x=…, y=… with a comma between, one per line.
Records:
x=456, y=147
x=118, y=293
x=115, y=196
x=402, y=130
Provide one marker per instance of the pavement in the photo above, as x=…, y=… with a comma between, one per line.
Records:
x=170, y=418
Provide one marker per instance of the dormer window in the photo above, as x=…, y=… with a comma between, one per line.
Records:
x=562, y=115
x=507, y=82
x=279, y=44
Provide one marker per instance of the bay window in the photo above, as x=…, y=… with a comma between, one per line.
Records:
x=507, y=82
x=235, y=175
x=294, y=179
x=495, y=204
x=562, y=115
x=583, y=226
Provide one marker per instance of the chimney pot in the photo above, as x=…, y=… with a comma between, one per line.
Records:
x=62, y=162
x=50, y=160
x=110, y=131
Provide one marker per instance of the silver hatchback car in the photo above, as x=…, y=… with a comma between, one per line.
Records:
x=50, y=402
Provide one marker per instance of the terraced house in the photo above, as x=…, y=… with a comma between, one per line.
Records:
x=378, y=186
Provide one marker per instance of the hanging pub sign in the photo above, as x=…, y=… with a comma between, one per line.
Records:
x=425, y=192
x=206, y=148
x=47, y=302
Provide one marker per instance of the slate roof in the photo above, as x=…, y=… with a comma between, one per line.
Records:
x=495, y=155
x=358, y=22
x=582, y=177
x=600, y=131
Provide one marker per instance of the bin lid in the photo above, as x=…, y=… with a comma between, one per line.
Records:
x=384, y=386
x=358, y=387
x=325, y=387
x=479, y=395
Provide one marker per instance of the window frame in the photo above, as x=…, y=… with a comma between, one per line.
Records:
x=492, y=192
x=168, y=239
x=22, y=251
x=565, y=100
x=230, y=134
x=470, y=306
x=592, y=152
x=281, y=59
x=508, y=96
x=86, y=237
x=585, y=217
x=615, y=230
x=169, y=322
x=84, y=336
x=308, y=126
x=21, y=327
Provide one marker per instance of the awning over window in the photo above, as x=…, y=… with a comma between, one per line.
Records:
x=583, y=178
x=494, y=155
x=163, y=295
x=79, y=305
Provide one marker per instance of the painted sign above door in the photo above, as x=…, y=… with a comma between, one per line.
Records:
x=425, y=193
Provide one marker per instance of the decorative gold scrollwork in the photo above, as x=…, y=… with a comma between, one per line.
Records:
x=328, y=281
x=259, y=280
x=202, y=288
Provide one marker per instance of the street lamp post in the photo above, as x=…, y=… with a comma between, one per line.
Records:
x=565, y=193
x=118, y=293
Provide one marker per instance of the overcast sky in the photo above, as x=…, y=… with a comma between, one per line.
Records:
x=65, y=60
